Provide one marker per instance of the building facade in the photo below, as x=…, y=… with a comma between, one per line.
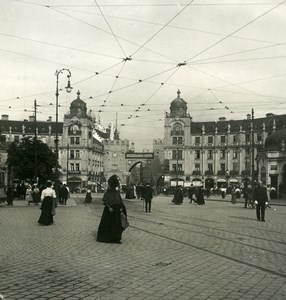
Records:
x=80, y=142
x=214, y=153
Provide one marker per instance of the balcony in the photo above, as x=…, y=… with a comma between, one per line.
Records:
x=221, y=172
x=197, y=173
x=173, y=172
x=209, y=172
x=180, y=132
x=74, y=172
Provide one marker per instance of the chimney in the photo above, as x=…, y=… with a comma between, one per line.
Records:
x=222, y=118
x=5, y=117
x=248, y=116
x=32, y=119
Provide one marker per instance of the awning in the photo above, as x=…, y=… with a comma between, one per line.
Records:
x=221, y=180
x=233, y=180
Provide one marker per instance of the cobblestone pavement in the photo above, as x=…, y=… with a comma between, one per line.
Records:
x=215, y=251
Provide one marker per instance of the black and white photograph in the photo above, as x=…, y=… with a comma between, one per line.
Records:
x=142, y=149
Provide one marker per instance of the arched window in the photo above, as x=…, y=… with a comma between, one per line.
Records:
x=177, y=128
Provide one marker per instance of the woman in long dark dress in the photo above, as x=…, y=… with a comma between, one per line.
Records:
x=48, y=197
x=110, y=229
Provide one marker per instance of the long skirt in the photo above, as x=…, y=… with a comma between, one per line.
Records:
x=46, y=217
x=110, y=229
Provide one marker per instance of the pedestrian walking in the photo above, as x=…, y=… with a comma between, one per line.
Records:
x=110, y=226
x=147, y=195
x=260, y=199
x=29, y=195
x=64, y=194
x=200, y=196
x=88, y=197
x=48, y=205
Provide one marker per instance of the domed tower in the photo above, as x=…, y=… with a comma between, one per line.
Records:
x=178, y=108
x=78, y=107
x=276, y=141
x=177, y=138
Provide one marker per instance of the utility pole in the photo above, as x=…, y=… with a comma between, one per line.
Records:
x=68, y=148
x=35, y=141
x=252, y=146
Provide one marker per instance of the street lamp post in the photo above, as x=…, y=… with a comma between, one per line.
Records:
x=68, y=89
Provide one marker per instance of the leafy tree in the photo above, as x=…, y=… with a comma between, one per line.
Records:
x=21, y=160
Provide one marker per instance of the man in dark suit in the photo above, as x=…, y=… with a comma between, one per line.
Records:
x=260, y=198
x=147, y=195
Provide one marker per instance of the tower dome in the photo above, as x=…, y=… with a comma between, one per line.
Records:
x=78, y=107
x=276, y=140
x=178, y=107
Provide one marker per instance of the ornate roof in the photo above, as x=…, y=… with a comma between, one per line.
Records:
x=178, y=102
x=178, y=107
x=275, y=140
x=78, y=103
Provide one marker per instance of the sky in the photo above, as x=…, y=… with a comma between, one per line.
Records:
x=128, y=59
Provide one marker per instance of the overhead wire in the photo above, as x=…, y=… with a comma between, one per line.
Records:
x=235, y=31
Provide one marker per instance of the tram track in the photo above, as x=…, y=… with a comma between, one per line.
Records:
x=136, y=217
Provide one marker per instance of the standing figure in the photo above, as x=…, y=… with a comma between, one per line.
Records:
x=36, y=195
x=260, y=198
x=48, y=198
x=10, y=195
x=88, y=196
x=110, y=228
x=233, y=196
x=64, y=194
x=200, y=196
x=29, y=195
x=147, y=195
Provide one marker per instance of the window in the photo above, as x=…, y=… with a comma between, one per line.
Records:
x=235, y=154
x=177, y=128
x=273, y=167
x=177, y=152
x=77, y=154
x=175, y=140
x=222, y=139
x=72, y=167
x=222, y=154
x=222, y=167
x=210, y=140
x=174, y=154
x=197, y=167
x=210, y=167
x=71, y=154
x=174, y=167
x=72, y=140
x=77, y=167
x=197, y=140
x=197, y=154
x=247, y=138
x=235, y=166
x=77, y=140
x=259, y=137
x=210, y=154
x=234, y=139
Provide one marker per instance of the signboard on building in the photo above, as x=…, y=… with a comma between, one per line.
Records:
x=139, y=155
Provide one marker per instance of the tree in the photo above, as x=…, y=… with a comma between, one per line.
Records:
x=23, y=165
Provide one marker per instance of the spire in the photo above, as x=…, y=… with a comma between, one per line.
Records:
x=178, y=92
x=116, y=132
x=78, y=93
